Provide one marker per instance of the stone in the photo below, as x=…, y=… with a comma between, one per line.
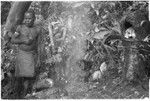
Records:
x=96, y=75
x=44, y=83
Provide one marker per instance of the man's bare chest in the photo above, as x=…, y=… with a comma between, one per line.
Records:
x=26, y=32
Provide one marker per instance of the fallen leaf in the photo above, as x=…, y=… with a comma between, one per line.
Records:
x=103, y=67
x=96, y=75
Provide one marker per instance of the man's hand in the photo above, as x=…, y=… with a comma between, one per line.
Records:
x=16, y=34
x=7, y=35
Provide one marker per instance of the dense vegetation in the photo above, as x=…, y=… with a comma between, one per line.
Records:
x=84, y=43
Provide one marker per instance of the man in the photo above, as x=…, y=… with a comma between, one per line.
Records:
x=26, y=37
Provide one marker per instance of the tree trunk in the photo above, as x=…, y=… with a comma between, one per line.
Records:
x=16, y=15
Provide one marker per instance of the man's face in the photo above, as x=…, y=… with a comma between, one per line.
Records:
x=28, y=19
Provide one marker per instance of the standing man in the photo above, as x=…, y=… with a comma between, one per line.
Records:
x=26, y=37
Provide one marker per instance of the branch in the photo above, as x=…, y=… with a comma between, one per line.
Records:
x=51, y=34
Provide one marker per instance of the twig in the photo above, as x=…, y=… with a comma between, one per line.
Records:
x=51, y=34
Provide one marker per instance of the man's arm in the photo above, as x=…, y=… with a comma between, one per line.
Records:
x=16, y=40
x=33, y=36
x=28, y=40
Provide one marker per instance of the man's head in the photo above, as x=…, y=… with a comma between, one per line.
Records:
x=29, y=18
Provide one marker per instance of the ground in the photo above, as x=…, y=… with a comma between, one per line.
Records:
x=109, y=87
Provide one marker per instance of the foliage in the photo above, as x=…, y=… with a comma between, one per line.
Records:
x=101, y=23
x=5, y=7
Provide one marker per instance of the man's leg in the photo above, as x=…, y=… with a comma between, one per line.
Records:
x=25, y=84
x=18, y=86
x=28, y=83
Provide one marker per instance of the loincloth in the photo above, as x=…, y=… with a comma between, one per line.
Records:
x=25, y=64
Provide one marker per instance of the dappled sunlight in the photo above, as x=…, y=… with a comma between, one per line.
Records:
x=86, y=50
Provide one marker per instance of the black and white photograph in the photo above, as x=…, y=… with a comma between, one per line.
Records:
x=75, y=49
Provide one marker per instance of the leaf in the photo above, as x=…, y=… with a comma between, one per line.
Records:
x=44, y=83
x=2, y=75
x=103, y=67
x=49, y=60
x=58, y=58
x=78, y=4
x=101, y=34
x=96, y=75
